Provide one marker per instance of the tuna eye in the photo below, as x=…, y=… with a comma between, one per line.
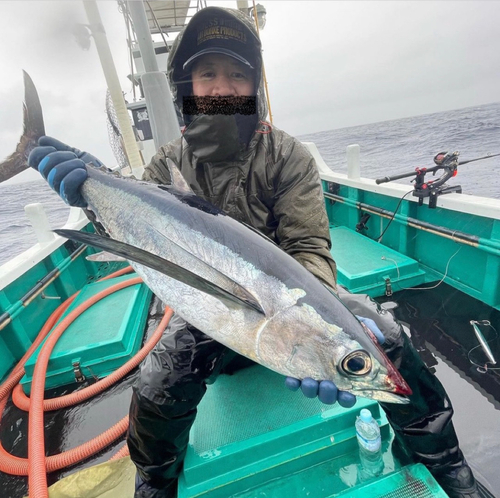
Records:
x=357, y=363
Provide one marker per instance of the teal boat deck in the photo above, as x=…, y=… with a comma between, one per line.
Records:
x=254, y=438
x=461, y=248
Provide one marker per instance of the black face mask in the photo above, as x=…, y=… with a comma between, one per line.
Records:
x=247, y=124
x=219, y=137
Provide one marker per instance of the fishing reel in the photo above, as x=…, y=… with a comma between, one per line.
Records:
x=447, y=161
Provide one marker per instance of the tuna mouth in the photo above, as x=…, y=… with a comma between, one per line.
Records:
x=395, y=380
x=382, y=396
x=393, y=388
x=402, y=388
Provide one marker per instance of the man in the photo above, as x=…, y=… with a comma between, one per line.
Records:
x=267, y=179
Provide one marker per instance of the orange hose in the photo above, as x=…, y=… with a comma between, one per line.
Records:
x=23, y=402
x=122, y=452
x=19, y=466
x=117, y=273
x=37, y=476
x=18, y=370
x=37, y=465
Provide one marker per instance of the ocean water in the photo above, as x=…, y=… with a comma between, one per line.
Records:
x=399, y=146
x=16, y=232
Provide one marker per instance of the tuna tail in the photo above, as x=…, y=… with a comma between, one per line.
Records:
x=239, y=295
x=33, y=129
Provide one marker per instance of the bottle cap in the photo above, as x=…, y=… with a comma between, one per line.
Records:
x=365, y=415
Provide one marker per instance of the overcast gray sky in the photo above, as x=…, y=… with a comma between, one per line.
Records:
x=330, y=64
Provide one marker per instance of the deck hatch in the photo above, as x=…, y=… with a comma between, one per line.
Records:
x=365, y=266
x=253, y=437
x=100, y=340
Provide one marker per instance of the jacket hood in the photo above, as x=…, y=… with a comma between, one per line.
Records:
x=184, y=46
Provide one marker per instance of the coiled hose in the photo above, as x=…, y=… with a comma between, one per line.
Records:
x=37, y=465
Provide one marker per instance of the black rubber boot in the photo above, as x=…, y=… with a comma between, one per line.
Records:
x=458, y=481
x=145, y=490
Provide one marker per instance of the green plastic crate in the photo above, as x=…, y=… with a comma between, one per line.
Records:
x=253, y=438
x=101, y=339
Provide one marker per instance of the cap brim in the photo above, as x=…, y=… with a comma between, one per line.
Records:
x=215, y=50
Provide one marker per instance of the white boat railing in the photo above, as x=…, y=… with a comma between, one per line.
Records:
x=47, y=243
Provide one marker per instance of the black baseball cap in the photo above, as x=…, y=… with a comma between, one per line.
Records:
x=215, y=50
x=214, y=31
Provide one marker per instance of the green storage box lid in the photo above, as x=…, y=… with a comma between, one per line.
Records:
x=101, y=339
x=251, y=432
x=254, y=438
x=364, y=265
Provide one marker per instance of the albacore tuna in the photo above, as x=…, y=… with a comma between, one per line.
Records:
x=236, y=285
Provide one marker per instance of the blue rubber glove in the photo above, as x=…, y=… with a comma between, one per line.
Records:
x=63, y=167
x=373, y=327
x=326, y=391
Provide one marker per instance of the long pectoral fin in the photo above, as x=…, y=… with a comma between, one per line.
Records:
x=241, y=297
x=197, y=261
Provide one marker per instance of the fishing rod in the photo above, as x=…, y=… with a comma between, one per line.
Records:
x=447, y=161
x=478, y=158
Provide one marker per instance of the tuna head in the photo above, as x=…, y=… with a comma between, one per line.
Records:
x=300, y=343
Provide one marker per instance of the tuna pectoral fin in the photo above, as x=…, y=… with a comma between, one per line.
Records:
x=132, y=253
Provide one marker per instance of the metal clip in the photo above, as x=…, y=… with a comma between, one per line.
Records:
x=79, y=377
x=388, y=287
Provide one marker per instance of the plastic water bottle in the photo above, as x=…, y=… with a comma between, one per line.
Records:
x=370, y=445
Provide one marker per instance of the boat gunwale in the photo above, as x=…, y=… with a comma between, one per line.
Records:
x=464, y=203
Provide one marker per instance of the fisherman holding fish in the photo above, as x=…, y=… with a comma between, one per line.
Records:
x=230, y=156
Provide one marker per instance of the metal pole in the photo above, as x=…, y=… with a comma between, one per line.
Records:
x=263, y=66
x=159, y=102
x=113, y=83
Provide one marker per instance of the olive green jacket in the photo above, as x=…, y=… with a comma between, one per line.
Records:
x=272, y=184
x=274, y=187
